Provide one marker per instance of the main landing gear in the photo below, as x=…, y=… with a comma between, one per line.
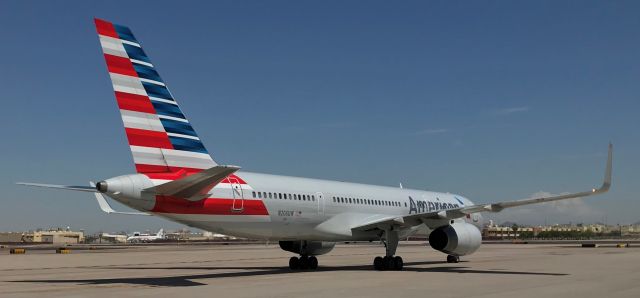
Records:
x=389, y=261
x=303, y=263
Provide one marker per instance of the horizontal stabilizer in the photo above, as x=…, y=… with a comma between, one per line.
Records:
x=196, y=186
x=64, y=187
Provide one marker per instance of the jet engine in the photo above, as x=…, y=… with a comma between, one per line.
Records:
x=307, y=248
x=457, y=239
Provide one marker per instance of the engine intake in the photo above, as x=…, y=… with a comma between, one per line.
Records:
x=458, y=239
x=307, y=248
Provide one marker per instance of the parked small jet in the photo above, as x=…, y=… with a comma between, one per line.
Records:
x=138, y=237
x=178, y=179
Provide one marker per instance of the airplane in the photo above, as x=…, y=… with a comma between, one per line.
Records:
x=176, y=178
x=114, y=238
x=138, y=237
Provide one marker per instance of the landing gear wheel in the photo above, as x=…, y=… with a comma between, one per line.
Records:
x=453, y=259
x=388, y=263
x=313, y=263
x=304, y=262
x=378, y=263
x=398, y=263
x=294, y=263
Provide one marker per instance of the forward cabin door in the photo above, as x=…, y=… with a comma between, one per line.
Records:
x=320, y=200
x=237, y=195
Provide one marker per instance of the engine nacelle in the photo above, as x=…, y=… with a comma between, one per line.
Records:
x=458, y=239
x=308, y=248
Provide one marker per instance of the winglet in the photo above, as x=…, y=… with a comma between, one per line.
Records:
x=607, y=173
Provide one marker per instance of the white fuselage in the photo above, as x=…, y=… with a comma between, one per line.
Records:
x=287, y=208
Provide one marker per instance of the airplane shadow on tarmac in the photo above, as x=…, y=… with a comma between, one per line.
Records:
x=188, y=280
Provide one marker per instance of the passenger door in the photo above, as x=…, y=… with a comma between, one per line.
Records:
x=320, y=200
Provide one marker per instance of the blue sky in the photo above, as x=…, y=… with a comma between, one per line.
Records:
x=493, y=100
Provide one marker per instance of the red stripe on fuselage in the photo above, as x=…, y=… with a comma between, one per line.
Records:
x=134, y=102
x=211, y=206
x=105, y=28
x=120, y=65
x=148, y=138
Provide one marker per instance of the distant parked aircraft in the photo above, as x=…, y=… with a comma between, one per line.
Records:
x=138, y=237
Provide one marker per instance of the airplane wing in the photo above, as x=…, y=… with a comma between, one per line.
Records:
x=196, y=186
x=449, y=214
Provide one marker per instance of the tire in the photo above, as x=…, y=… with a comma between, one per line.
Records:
x=294, y=263
x=313, y=263
x=398, y=263
x=378, y=263
x=303, y=263
x=452, y=259
x=388, y=263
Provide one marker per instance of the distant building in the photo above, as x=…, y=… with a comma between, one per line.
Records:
x=58, y=236
x=11, y=237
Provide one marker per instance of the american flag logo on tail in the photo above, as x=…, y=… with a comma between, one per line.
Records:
x=161, y=138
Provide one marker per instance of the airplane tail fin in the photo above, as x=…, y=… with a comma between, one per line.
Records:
x=160, y=233
x=161, y=138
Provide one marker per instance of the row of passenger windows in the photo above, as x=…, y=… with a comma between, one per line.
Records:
x=283, y=196
x=357, y=201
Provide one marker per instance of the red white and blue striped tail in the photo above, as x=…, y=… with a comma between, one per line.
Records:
x=161, y=138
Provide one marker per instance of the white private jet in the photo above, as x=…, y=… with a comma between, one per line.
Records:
x=139, y=237
x=177, y=179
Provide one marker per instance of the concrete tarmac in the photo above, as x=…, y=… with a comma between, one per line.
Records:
x=496, y=270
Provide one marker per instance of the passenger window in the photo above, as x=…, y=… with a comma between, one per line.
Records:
x=349, y=200
x=304, y=197
x=254, y=194
x=405, y=204
x=313, y=198
x=259, y=195
x=269, y=195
